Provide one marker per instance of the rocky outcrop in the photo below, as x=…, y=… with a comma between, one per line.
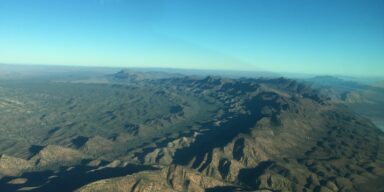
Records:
x=97, y=146
x=164, y=155
x=172, y=178
x=51, y=156
x=12, y=166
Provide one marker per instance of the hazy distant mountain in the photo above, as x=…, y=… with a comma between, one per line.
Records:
x=134, y=75
x=366, y=98
x=330, y=81
x=378, y=84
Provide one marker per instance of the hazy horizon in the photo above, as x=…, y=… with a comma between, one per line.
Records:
x=202, y=72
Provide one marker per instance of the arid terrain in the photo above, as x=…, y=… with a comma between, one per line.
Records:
x=133, y=130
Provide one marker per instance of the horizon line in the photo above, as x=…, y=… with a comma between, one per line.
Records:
x=276, y=73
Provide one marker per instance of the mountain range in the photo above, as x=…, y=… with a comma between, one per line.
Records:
x=150, y=131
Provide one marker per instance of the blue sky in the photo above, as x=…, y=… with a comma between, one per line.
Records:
x=343, y=37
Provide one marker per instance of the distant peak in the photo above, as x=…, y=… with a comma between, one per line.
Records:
x=122, y=74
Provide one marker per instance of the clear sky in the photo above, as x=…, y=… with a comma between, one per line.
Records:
x=344, y=37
